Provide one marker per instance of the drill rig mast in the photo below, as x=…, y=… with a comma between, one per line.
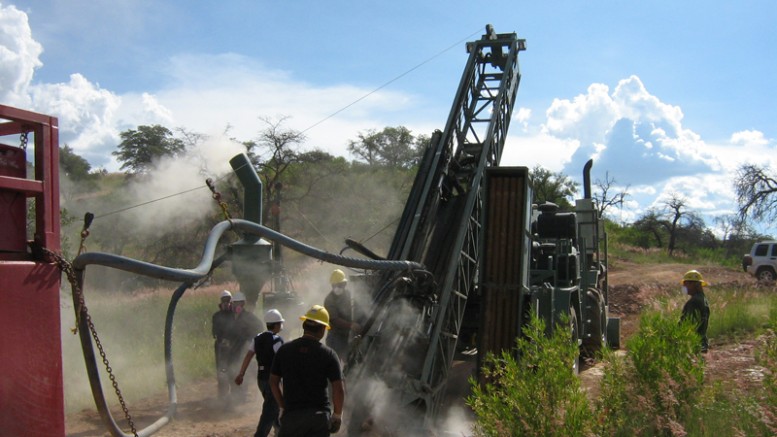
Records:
x=409, y=340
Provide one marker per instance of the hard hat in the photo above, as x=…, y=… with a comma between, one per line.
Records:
x=694, y=275
x=239, y=297
x=338, y=277
x=317, y=314
x=226, y=293
x=273, y=316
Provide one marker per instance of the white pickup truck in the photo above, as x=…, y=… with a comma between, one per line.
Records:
x=761, y=262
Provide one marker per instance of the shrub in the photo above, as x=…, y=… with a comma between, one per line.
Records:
x=535, y=394
x=653, y=389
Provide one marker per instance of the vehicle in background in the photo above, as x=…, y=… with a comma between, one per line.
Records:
x=761, y=262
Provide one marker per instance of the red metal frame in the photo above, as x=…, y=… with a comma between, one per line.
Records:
x=31, y=390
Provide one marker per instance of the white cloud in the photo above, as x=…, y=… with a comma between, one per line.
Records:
x=207, y=93
x=86, y=113
x=749, y=138
x=19, y=56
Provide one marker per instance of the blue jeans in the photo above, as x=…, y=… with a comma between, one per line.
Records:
x=270, y=410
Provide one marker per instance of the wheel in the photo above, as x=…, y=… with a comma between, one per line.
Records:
x=765, y=274
x=598, y=325
x=573, y=327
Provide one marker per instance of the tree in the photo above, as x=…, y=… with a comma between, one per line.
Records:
x=392, y=147
x=552, y=187
x=272, y=153
x=651, y=223
x=140, y=148
x=72, y=165
x=677, y=206
x=604, y=197
x=756, y=189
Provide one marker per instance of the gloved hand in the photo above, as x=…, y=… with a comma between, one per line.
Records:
x=334, y=423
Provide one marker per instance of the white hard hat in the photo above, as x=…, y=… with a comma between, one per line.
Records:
x=225, y=293
x=273, y=316
x=239, y=297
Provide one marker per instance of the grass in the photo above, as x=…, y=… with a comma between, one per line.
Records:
x=131, y=330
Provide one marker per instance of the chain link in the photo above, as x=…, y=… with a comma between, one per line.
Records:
x=23, y=140
x=217, y=198
x=67, y=268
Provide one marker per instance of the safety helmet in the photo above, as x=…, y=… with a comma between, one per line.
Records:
x=694, y=275
x=226, y=293
x=317, y=314
x=273, y=316
x=338, y=277
x=239, y=297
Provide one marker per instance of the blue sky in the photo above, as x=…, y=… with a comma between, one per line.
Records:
x=669, y=97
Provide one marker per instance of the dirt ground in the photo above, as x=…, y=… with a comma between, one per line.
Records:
x=632, y=288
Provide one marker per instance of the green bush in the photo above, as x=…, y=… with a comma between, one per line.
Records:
x=536, y=394
x=651, y=390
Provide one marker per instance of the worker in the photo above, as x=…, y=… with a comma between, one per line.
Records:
x=696, y=309
x=305, y=367
x=242, y=328
x=221, y=321
x=264, y=347
x=339, y=304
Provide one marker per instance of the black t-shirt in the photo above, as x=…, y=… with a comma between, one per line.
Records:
x=306, y=366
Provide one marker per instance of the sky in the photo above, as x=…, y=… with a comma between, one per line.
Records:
x=667, y=97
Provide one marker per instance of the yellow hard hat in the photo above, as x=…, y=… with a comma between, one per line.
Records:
x=694, y=275
x=338, y=277
x=317, y=314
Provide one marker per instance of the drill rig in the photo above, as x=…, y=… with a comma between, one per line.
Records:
x=408, y=342
x=490, y=259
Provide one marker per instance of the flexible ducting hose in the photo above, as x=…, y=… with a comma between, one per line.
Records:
x=188, y=277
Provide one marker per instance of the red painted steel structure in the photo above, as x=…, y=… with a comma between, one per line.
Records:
x=31, y=392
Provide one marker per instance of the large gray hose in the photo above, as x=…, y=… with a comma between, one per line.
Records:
x=188, y=277
x=174, y=274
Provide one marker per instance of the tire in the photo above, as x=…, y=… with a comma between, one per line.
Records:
x=574, y=329
x=765, y=274
x=598, y=317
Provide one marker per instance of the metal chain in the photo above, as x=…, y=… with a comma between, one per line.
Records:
x=67, y=269
x=217, y=198
x=23, y=140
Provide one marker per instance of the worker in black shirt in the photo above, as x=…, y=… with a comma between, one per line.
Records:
x=221, y=323
x=306, y=366
x=264, y=346
x=241, y=331
x=696, y=309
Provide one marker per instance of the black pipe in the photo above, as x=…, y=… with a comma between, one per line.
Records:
x=587, y=179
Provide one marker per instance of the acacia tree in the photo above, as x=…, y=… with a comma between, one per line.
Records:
x=72, y=165
x=275, y=149
x=605, y=198
x=677, y=206
x=756, y=188
x=391, y=147
x=140, y=148
x=555, y=187
x=651, y=223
